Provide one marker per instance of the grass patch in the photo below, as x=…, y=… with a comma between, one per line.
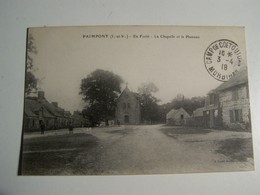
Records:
x=58, y=142
x=171, y=131
x=53, y=161
x=121, y=132
x=238, y=149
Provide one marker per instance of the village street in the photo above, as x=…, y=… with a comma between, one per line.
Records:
x=147, y=149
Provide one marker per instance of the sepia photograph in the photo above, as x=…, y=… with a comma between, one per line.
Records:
x=136, y=100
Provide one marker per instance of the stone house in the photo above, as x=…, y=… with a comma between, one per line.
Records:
x=64, y=116
x=79, y=120
x=38, y=110
x=177, y=117
x=128, y=108
x=234, y=102
x=53, y=108
x=228, y=105
x=34, y=114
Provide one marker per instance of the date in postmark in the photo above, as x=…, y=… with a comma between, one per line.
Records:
x=222, y=59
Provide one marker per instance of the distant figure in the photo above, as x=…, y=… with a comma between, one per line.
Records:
x=118, y=123
x=42, y=126
x=70, y=128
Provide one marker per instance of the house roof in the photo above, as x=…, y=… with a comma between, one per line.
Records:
x=213, y=91
x=173, y=112
x=198, y=111
x=238, y=79
x=52, y=109
x=32, y=108
x=34, y=104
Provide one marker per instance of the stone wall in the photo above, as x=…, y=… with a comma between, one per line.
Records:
x=230, y=104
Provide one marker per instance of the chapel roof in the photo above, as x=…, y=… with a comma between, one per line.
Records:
x=127, y=91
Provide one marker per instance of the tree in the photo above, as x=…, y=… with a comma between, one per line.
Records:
x=30, y=82
x=147, y=88
x=92, y=113
x=188, y=104
x=149, y=106
x=30, y=79
x=100, y=90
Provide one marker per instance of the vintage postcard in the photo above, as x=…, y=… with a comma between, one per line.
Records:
x=132, y=100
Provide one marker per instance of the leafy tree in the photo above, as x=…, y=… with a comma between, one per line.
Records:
x=30, y=82
x=100, y=90
x=30, y=79
x=92, y=113
x=149, y=106
x=147, y=88
x=189, y=104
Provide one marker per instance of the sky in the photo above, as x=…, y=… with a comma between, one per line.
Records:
x=137, y=53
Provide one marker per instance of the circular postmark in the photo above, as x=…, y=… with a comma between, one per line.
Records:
x=222, y=59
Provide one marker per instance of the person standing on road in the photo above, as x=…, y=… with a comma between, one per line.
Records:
x=70, y=128
x=42, y=127
x=118, y=123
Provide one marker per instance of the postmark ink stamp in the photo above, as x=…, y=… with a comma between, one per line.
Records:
x=222, y=59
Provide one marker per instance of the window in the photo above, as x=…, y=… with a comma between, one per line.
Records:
x=212, y=99
x=231, y=116
x=236, y=115
x=235, y=94
x=128, y=105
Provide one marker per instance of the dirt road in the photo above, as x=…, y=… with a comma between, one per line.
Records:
x=157, y=149
x=151, y=149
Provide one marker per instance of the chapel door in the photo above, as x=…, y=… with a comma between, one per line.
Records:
x=126, y=119
x=182, y=120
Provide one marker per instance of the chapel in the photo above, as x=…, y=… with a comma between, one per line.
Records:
x=128, y=108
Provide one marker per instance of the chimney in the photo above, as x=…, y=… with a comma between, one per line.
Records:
x=55, y=104
x=41, y=95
